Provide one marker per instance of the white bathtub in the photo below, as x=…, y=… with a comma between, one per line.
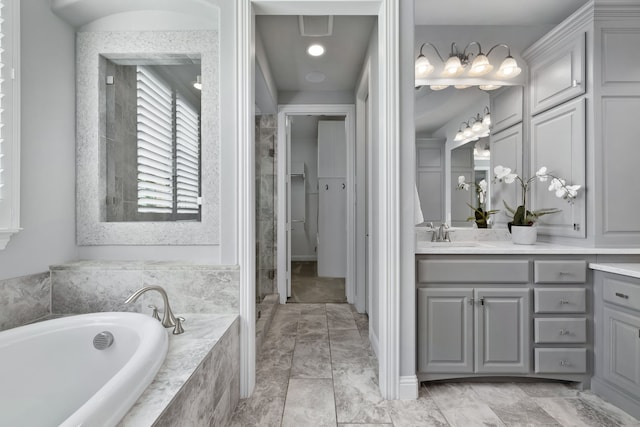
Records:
x=51, y=374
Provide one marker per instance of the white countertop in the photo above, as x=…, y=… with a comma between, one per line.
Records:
x=625, y=269
x=506, y=247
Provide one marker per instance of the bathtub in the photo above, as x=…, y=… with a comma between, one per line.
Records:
x=51, y=374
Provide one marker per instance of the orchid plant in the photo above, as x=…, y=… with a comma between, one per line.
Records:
x=481, y=215
x=523, y=216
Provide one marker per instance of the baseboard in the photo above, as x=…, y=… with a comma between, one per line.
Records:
x=408, y=387
x=615, y=397
x=374, y=342
x=304, y=258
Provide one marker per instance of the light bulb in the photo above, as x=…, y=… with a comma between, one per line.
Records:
x=423, y=66
x=476, y=126
x=508, y=69
x=315, y=50
x=459, y=136
x=468, y=133
x=480, y=66
x=198, y=83
x=453, y=67
x=438, y=87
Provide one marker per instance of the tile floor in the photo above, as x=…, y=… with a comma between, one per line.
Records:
x=307, y=287
x=316, y=368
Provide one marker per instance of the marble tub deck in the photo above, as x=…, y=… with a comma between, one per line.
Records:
x=317, y=368
x=186, y=353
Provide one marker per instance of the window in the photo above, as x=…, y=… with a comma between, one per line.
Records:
x=168, y=134
x=9, y=121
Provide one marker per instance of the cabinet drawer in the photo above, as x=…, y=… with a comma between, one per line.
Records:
x=473, y=271
x=567, y=271
x=558, y=330
x=560, y=300
x=560, y=360
x=625, y=292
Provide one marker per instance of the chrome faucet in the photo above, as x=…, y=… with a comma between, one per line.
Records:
x=441, y=234
x=168, y=319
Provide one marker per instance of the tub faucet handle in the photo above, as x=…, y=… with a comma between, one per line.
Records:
x=155, y=314
x=178, y=329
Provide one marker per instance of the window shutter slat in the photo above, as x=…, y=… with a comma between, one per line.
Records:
x=187, y=157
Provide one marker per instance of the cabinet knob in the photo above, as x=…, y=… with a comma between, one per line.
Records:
x=575, y=83
x=563, y=332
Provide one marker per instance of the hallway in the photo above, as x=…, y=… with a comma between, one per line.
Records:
x=307, y=287
x=317, y=368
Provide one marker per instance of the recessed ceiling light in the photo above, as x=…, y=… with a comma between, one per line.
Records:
x=315, y=50
x=315, y=77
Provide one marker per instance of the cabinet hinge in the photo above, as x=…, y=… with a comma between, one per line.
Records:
x=576, y=226
x=481, y=301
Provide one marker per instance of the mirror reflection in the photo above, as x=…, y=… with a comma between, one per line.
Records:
x=151, y=138
x=471, y=162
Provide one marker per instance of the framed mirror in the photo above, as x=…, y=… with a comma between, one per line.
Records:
x=148, y=139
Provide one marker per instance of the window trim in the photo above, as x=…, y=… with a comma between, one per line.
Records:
x=10, y=212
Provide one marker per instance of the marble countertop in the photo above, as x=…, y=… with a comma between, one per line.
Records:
x=186, y=352
x=138, y=265
x=506, y=247
x=625, y=269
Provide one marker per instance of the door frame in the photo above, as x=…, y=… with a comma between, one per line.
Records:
x=388, y=267
x=284, y=257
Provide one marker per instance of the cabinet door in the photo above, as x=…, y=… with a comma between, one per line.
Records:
x=558, y=142
x=462, y=165
x=332, y=149
x=506, y=150
x=502, y=329
x=559, y=76
x=445, y=339
x=430, y=178
x=506, y=107
x=622, y=350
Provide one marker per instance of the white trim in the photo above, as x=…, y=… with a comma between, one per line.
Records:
x=408, y=387
x=246, y=196
x=373, y=339
x=12, y=130
x=347, y=110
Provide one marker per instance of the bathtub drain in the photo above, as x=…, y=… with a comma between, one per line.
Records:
x=103, y=340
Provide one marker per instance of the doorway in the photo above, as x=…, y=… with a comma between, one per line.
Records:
x=317, y=203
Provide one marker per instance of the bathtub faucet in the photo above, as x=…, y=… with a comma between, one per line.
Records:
x=168, y=319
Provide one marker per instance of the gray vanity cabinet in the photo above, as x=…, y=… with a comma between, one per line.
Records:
x=466, y=330
x=617, y=340
x=506, y=107
x=506, y=150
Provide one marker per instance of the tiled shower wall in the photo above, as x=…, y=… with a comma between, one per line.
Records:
x=266, y=174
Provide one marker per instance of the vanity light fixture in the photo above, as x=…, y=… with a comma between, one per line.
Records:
x=198, y=83
x=475, y=128
x=466, y=64
x=315, y=50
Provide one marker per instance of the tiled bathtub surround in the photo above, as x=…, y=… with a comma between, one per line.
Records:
x=90, y=286
x=199, y=382
x=24, y=299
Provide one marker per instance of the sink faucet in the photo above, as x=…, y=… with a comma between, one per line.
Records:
x=441, y=234
x=168, y=319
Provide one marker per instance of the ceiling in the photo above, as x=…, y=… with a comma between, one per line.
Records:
x=345, y=49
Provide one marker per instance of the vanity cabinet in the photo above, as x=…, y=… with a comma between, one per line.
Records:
x=506, y=150
x=558, y=76
x=506, y=107
x=617, y=340
x=489, y=315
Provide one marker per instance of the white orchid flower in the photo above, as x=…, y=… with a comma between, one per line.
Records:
x=461, y=179
x=462, y=185
x=561, y=192
x=501, y=171
x=542, y=174
x=510, y=178
x=572, y=190
x=483, y=185
x=556, y=184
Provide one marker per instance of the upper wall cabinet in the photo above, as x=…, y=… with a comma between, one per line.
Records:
x=506, y=150
x=506, y=107
x=559, y=76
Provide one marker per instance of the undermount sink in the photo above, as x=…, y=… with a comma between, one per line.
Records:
x=455, y=244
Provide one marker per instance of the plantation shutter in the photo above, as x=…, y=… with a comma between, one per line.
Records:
x=155, y=143
x=187, y=157
x=3, y=71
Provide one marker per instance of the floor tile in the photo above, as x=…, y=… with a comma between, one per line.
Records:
x=416, y=413
x=549, y=389
x=340, y=316
x=575, y=412
x=611, y=411
x=347, y=347
x=472, y=415
x=310, y=402
x=311, y=360
x=265, y=411
x=312, y=328
x=313, y=309
x=358, y=398
x=453, y=395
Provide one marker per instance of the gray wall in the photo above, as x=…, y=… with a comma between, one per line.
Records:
x=47, y=188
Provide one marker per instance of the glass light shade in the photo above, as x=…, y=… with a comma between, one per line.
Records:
x=462, y=86
x=198, y=83
x=468, y=133
x=459, y=136
x=486, y=120
x=508, y=69
x=489, y=87
x=453, y=67
x=438, y=87
x=480, y=66
x=477, y=126
x=423, y=67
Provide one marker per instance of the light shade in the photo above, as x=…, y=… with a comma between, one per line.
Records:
x=438, y=87
x=423, y=67
x=198, y=83
x=489, y=87
x=480, y=66
x=453, y=67
x=508, y=69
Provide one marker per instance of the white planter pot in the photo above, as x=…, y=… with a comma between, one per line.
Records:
x=524, y=235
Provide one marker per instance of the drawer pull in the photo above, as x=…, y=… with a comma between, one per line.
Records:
x=564, y=332
x=564, y=363
x=621, y=295
x=564, y=301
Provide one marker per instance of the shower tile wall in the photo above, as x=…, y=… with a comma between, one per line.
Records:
x=266, y=174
